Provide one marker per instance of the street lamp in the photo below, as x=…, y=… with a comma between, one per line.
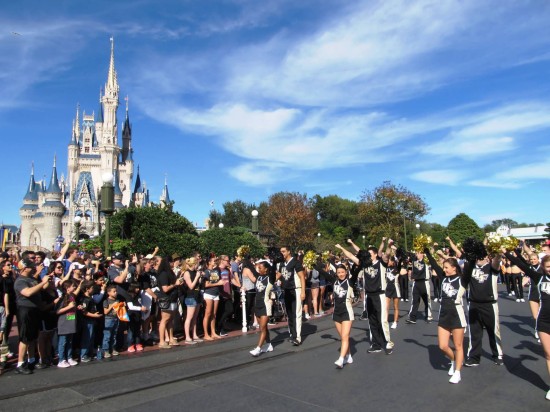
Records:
x=107, y=207
x=363, y=241
x=77, y=220
x=220, y=225
x=417, y=226
x=255, y=230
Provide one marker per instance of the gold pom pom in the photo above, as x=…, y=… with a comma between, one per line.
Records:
x=243, y=251
x=310, y=259
x=422, y=242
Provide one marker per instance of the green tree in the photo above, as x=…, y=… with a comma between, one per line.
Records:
x=387, y=208
x=291, y=219
x=226, y=241
x=153, y=226
x=462, y=227
x=235, y=214
x=338, y=218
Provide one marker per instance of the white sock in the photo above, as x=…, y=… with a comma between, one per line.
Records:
x=19, y=364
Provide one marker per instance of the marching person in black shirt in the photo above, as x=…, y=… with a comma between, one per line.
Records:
x=375, y=287
x=420, y=275
x=452, y=320
x=292, y=275
x=262, y=306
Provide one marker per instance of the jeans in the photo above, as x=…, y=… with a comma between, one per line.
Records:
x=109, y=333
x=65, y=347
x=86, y=337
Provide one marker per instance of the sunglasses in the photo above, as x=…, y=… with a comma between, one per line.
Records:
x=8, y=266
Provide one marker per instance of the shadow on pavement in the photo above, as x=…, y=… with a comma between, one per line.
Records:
x=517, y=368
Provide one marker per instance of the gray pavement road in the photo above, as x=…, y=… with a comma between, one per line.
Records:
x=223, y=376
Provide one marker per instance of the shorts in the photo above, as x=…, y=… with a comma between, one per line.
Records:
x=2, y=318
x=208, y=296
x=451, y=316
x=343, y=312
x=28, y=322
x=191, y=302
x=314, y=285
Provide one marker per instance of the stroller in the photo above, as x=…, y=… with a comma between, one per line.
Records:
x=278, y=312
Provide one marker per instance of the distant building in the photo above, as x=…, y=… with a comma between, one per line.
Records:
x=530, y=234
x=95, y=148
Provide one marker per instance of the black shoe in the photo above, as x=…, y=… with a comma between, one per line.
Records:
x=471, y=363
x=498, y=361
x=23, y=370
x=374, y=349
x=429, y=320
x=410, y=321
x=223, y=333
x=41, y=365
x=296, y=342
x=364, y=316
x=388, y=351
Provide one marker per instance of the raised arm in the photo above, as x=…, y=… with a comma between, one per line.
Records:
x=354, y=246
x=435, y=266
x=454, y=247
x=348, y=254
x=527, y=270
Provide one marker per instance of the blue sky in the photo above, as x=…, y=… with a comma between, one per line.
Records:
x=239, y=99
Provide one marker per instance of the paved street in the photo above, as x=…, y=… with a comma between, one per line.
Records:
x=222, y=375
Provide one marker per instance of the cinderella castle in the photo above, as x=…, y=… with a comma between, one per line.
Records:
x=49, y=211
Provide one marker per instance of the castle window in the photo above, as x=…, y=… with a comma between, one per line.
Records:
x=86, y=150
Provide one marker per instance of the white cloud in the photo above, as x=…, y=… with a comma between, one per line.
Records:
x=439, y=176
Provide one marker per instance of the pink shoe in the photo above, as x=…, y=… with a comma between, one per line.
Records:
x=132, y=349
x=139, y=347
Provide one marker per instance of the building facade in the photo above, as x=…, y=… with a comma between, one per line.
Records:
x=95, y=148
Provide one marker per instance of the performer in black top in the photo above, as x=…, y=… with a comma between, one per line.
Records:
x=542, y=280
x=291, y=274
x=452, y=320
x=375, y=289
x=262, y=307
x=343, y=312
x=420, y=274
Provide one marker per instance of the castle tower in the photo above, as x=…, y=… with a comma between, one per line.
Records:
x=165, y=196
x=28, y=210
x=52, y=210
x=108, y=146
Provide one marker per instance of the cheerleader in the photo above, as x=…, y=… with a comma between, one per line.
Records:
x=533, y=294
x=393, y=292
x=343, y=312
x=542, y=280
x=452, y=320
x=262, y=306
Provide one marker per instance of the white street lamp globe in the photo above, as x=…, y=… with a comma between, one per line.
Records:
x=77, y=219
x=418, y=226
x=318, y=235
x=220, y=225
x=254, y=213
x=107, y=177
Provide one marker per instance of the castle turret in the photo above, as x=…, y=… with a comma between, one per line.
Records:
x=52, y=211
x=165, y=196
x=126, y=136
x=118, y=192
x=28, y=210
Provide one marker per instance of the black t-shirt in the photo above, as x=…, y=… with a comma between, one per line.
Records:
x=212, y=276
x=34, y=301
x=147, y=280
x=167, y=279
x=193, y=293
x=9, y=288
x=289, y=271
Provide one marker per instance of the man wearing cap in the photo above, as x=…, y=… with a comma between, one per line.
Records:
x=29, y=301
x=118, y=275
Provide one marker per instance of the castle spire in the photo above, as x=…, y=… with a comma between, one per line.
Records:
x=165, y=196
x=54, y=183
x=31, y=190
x=112, y=78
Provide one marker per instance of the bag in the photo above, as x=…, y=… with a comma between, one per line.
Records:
x=121, y=312
x=163, y=303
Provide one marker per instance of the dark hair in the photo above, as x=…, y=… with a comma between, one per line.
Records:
x=133, y=286
x=342, y=267
x=164, y=266
x=65, y=286
x=71, y=250
x=41, y=254
x=110, y=287
x=265, y=264
x=4, y=263
x=545, y=260
x=86, y=284
x=26, y=254
x=454, y=263
x=372, y=249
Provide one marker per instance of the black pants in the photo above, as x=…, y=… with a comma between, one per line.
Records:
x=7, y=329
x=250, y=302
x=436, y=282
x=517, y=286
x=483, y=315
x=404, y=286
x=379, y=328
x=293, y=305
x=421, y=290
x=508, y=280
x=225, y=310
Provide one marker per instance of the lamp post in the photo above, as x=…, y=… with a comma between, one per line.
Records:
x=107, y=207
x=220, y=225
x=363, y=241
x=77, y=220
x=318, y=241
x=255, y=230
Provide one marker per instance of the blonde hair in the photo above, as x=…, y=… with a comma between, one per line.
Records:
x=187, y=263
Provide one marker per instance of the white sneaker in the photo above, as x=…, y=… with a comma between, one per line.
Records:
x=348, y=359
x=339, y=363
x=63, y=364
x=267, y=348
x=452, y=369
x=394, y=325
x=536, y=335
x=307, y=316
x=435, y=299
x=513, y=293
x=548, y=395
x=455, y=378
x=522, y=300
x=517, y=300
x=256, y=351
x=72, y=362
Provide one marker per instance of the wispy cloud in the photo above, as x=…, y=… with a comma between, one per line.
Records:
x=440, y=176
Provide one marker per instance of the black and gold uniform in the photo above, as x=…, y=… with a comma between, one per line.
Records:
x=420, y=290
x=264, y=284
